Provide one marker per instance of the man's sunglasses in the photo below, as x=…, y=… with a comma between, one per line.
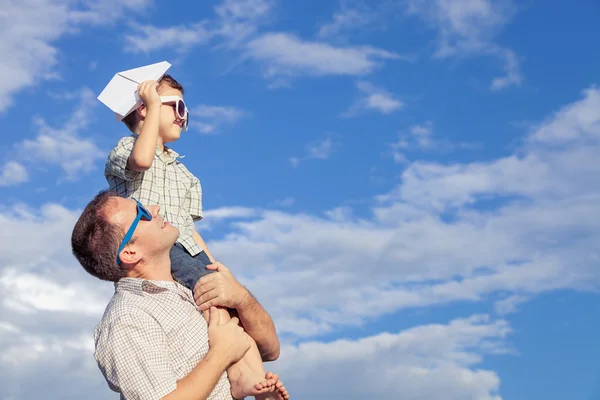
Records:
x=180, y=108
x=142, y=213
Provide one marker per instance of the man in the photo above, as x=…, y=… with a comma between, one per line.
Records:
x=152, y=342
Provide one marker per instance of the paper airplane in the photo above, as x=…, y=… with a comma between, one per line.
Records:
x=120, y=95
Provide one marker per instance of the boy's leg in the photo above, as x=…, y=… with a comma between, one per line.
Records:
x=247, y=377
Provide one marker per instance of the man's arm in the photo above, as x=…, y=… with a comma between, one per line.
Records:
x=259, y=325
x=198, y=239
x=228, y=344
x=222, y=289
x=142, y=155
x=199, y=383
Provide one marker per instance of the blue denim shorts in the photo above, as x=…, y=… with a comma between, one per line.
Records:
x=187, y=269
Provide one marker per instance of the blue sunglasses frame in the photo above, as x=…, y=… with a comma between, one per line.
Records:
x=142, y=212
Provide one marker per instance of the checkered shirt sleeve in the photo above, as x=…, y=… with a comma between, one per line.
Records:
x=133, y=356
x=116, y=163
x=192, y=204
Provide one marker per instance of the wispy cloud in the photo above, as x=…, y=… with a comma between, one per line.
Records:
x=374, y=98
x=13, y=173
x=148, y=38
x=64, y=146
x=233, y=23
x=467, y=28
x=213, y=117
x=344, y=20
x=319, y=150
x=280, y=55
x=30, y=29
x=286, y=54
x=420, y=137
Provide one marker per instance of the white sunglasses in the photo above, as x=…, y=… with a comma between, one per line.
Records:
x=180, y=108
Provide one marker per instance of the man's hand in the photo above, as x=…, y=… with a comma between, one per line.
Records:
x=228, y=339
x=219, y=289
x=148, y=93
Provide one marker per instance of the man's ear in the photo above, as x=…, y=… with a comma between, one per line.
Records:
x=129, y=255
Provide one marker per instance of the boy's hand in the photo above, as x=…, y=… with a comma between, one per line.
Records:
x=219, y=289
x=148, y=93
x=227, y=338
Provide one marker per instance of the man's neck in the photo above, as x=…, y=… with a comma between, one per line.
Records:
x=158, y=269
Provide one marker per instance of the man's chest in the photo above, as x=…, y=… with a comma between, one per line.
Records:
x=186, y=334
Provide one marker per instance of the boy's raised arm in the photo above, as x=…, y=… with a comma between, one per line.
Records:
x=144, y=148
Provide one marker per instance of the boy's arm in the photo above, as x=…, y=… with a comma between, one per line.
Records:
x=142, y=155
x=202, y=244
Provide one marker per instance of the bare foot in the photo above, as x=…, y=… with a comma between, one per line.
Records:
x=281, y=391
x=277, y=391
x=247, y=382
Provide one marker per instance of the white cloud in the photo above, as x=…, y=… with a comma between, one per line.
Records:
x=425, y=362
x=64, y=146
x=13, y=173
x=233, y=23
x=148, y=38
x=27, y=292
x=538, y=234
x=468, y=27
x=420, y=137
x=509, y=305
x=374, y=98
x=238, y=20
x=346, y=19
x=285, y=54
x=320, y=150
x=212, y=117
x=223, y=214
x=235, y=27
x=30, y=28
x=48, y=306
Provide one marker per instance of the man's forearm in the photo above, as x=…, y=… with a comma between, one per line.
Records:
x=202, y=244
x=259, y=325
x=199, y=383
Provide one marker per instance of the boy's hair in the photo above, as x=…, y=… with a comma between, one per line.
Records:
x=132, y=119
x=95, y=241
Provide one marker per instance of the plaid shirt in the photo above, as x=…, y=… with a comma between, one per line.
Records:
x=151, y=336
x=167, y=183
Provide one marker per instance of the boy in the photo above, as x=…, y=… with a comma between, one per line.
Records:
x=141, y=166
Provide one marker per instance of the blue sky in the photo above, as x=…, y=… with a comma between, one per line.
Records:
x=410, y=187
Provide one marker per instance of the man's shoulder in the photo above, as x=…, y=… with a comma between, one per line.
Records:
x=122, y=305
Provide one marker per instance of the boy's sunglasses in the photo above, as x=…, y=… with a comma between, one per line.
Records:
x=142, y=213
x=180, y=108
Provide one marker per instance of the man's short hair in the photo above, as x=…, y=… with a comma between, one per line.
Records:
x=131, y=119
x=95, y=241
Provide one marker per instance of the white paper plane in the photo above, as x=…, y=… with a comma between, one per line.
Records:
x=121, y=96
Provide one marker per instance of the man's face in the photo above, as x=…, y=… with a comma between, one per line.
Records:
x=151, y=238
x=170, y=124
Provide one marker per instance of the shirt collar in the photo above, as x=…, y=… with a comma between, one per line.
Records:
x=145, y=287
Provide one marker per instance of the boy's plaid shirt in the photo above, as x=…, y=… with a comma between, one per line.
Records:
x=151, y=336
x=167, y=183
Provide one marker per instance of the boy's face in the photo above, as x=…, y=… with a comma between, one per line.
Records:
x=170, y=124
